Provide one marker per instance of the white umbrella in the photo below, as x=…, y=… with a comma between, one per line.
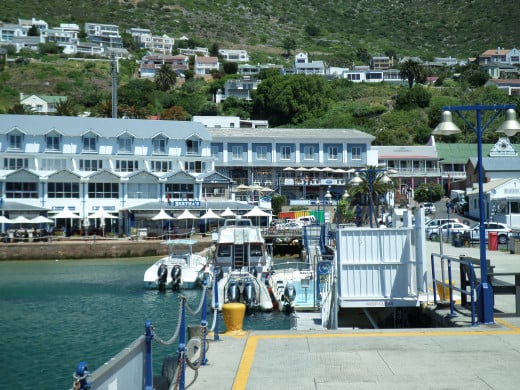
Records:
x=227, y=213
x=161, y=216
x=65, y=214
x=210, y=214
x=4, y=219
x=242, y=187
x=187, y=215
x=256, y=212
x=301, y=169
x=286, y=169
x=20, y=219
x=102, y=214
x=41, y=219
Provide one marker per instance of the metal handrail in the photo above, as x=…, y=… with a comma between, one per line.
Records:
x=451, y=286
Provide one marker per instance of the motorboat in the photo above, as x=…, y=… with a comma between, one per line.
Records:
x=292, y=284
x=242, y=264
x=184, y=270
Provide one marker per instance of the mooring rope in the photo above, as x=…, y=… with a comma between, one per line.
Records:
x=177, y=330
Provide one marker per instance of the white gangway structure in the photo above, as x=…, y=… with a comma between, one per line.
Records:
x=381, y=268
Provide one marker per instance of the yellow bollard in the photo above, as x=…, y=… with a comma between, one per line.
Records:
x=444, y=291
x=233, y=314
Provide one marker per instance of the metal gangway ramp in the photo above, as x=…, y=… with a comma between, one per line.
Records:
x=380, y=267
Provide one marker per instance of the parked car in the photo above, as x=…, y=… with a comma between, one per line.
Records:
x=448, y=228
x=429, y=208
x=292, y=225
x=504, y=231
x=433, y=224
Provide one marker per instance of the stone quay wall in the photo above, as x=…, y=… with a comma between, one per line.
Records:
x=88, y=249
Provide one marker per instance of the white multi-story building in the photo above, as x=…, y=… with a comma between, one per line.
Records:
x=135, y=167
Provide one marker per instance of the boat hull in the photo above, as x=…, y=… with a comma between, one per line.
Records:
x=191, y=276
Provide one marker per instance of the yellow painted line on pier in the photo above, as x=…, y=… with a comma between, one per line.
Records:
x=246, y=363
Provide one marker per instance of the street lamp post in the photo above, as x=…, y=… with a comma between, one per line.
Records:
x=371, y=175
x=509, y=127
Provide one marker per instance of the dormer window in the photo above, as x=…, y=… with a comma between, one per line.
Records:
x=89, y=144
x=192, y=146
x=124, y=144
x=159, y=145
x=53, y=142
x=15, y=141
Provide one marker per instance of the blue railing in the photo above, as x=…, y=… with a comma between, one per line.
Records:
x=446, y=265
x=130, y=359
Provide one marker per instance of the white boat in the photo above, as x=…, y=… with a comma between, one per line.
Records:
x=177, y=270
x=243, y=259
x=292, y=284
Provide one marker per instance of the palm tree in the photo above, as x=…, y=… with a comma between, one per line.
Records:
x=65, y=107
x=165, y=77
x=411, y=70
x=374, y=183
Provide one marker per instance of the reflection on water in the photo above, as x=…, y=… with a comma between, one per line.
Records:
x=54, y=314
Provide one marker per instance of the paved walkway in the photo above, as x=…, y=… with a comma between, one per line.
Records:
x=481, y=357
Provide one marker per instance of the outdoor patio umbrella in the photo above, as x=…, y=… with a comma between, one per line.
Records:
x=210, y=214
x=288, y=169
x=227, y=213
x=65, y=214
x=41, y=219
x=162, y=216
x=20, y=219
x=187, y=215
x=257, y=212
x=4, y=219
x=102, y=215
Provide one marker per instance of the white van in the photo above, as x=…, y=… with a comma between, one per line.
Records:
x=307, y=220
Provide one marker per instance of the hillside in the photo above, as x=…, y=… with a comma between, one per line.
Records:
x=459, y=28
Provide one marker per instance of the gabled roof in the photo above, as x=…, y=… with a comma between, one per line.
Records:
x=289, y=134
x=498, y=164
x=459, y=153
x=406, y=152
x=106, y=127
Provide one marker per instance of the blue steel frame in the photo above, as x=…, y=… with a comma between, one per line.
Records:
x=484, y=290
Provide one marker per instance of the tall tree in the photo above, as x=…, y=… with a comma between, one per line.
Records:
x=372, y=186
x=165, y=77
x=289, y=44
x=66, y=107
x=291, y=99
x=411, y=71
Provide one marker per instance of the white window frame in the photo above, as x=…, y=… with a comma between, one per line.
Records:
x=356, y=153
x=159, y=145
x=89, y=144
x=237, y=153
x=308, y=152
x=53, y=142
x=261, y=152
x=15, y=141
x=285, y=153
x=332, y=151
x=124, y=144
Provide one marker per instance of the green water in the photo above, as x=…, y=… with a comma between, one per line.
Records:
x=54, y=314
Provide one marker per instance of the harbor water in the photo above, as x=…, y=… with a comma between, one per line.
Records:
x=54, y=314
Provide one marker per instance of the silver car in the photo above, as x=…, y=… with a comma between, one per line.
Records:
x=448, y=228
x=504, y=231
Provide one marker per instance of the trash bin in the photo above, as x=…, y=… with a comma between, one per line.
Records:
x=492, y=241
x=457, y=240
